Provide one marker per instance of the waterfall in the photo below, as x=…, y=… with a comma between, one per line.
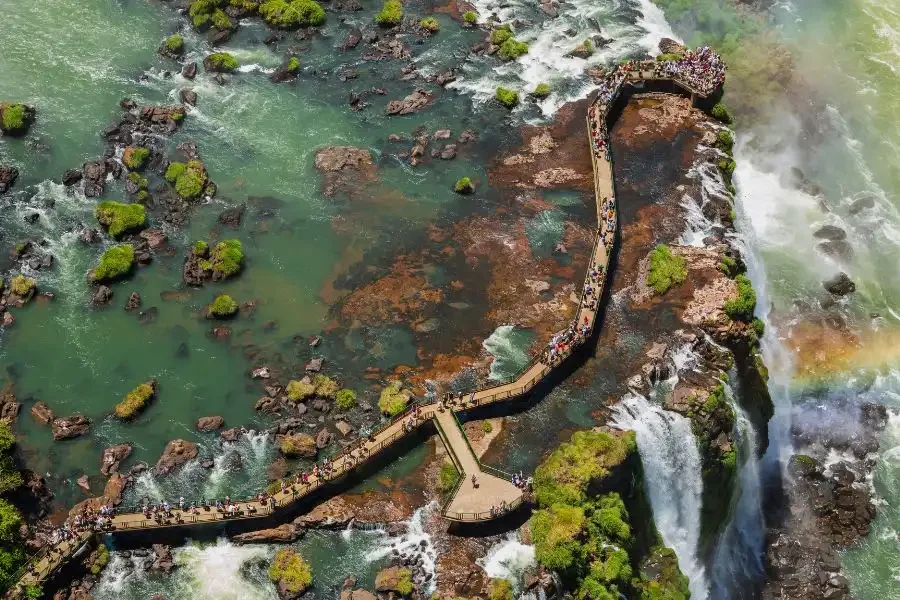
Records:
x=415, y=542
x=508, y=559
x=672, y=476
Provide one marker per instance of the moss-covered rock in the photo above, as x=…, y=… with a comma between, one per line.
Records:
x=118, y=218
x=345, y=399
x=114, y=264
x=200, y=248
x=223, y=307
x=512, y=49
x=22, y=286
x=661, y=578
x=172, y=46
x=394, y=579
x=742, y=307
x=298, y=391
x=97, y=560
x=720, y=112
x=299, y=445
x=292, y=14
x=220, y=62
x=290, y=573
x=134, y=157
x=501, y=34
x=136, y=400
x=190, y=179
x=470, y=17
x=463, y=186
x=226, y=259
x=501, y=589
x=15, y=119
x=393, y=399
x=542, y=90
x=430, y=24
x=666, y=269
x=506, y=97
x=326, y=387
x=391, y=14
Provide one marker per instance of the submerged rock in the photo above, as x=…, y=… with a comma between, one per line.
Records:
x=210, y=423
x=42, y=413
x=840, y=285
x=8, y=176
x=66, y=428
x=283, y=534
x=415, y=102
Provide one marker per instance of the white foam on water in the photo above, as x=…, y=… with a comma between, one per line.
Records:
x=508, y=355
x=508, y=559
x=416, y=541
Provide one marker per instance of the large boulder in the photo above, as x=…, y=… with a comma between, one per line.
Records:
x=394, y=579
x=176, y=453
x=283, y=534
x=113, y=456
x=66, y=428
x=162, y=559
x=210, y=423
x=670, y=46
x=8, y=176
x=42, y=413
x=338, y=158
x=298, y=445
x=94, y=176
x=840, y=285
x=415, y=102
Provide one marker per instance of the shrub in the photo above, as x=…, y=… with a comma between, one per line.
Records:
x=174, y=171
x=470, y=17
x=221, y=21
x=665, y=57
x=393, y=399
x=222, y=307
x=326, y=387
x=555, y=532
x=391, y=14
x=506, y=97
x=345, y=399
x=541, y=91
x=486, y=426
x=119, y=218
x=21, y=286
x=501, y=589
x=291, y=572
x=463, y=186
x=200, y=248
x=134, y=157
x=742, y=307
x=725, y=141
x=221, y=62
x=447, y=477
x=115, y=263
x=720, y=111
x=174, y=44
x=512, y=49
x=758, y=327
x=15, y=118
x=189, y=178
x=727, y=166
x=136, y=400
x=729, y=266
x=34, y=592
x=666, y=269
x=298, y=391
x=226, y=258
x=293, y=64
x=500, y=35
x=430, y=24
x=291, y=14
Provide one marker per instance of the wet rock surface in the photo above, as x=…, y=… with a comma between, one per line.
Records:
x=113, y=456
x=70, y=427
x=175, y=454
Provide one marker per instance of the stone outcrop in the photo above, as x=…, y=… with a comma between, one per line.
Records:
x=392, y=579
x=42, y=413
x=840, y=285
x=415, y=102
x=66, y=428
x=113, y=456
x=8, y=176
x=176, y=453
x=210, y=423
x=283, y=534
x=162, y=559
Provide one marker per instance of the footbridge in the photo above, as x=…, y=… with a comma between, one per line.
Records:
x=482, y=493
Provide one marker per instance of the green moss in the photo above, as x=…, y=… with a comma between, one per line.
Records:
x=226, y=259
x=326, y=387
x=556, y=532
x=725, y=141
x=761, y=367
x=222, y=62
x=221, y=21
x=291, y=573
x=292, y=14
x=506, y=97
x=34, y=592
x=541, y=91
x=177, y=114
x=138, y=180
x=136, y=400
x=116, y=262
x=463, y=186
x=742, y=307
x=222, y=307
x=393, y=399
x=660, y=577
x=15, y=119
x=300, y=445
x=448, y=477
x=487, y=427
x=174, y=44
x=119, y=218
x=588, y=456
x=298, y=391
x=190, y=179
x=666, y=269
x=759, y=327
x=729, y=266
x=345, y=399
x=715, y=399
x=134, y=157
x=21, y=286
x=805, y=460
x=293, y=64
x=174, y=171
x=200, y=248
x=727, y=166
x=720, y=112
x=430, y=24
x=500, y=35
x=512, y=49
x=501, y=589
x=669, y=56
x=391, y=14
x=729, y=460
x=404, y=582
x=470, y=17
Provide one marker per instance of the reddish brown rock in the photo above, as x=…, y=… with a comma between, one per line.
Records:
x=176, y=453
x=210, y=423
x=42, y=413
x=283, y=534
x=70, y=427
x=112, y=456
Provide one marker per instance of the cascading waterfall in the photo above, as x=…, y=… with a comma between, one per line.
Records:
x=509, y=347
x=508, y=559
x=672, y=475
x=416, y=542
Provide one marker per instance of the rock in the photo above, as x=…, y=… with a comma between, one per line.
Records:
x=188, y=96
x=134, y=301
x=71, y=177
x=232, y=217
x=189, y=71
x=314, y=341
x=315, y=365
x=162, y=559
x=323, y=438
x=670, y=46
x=283, y=534
x=412, y=103
x=260, y=373
x=230, y=435
x=210, y=423
x=862, y=204
x=176, y=453
x=358, y=594
x=446, y=77
x=299, y=445
x=840, y=285
x=89, y=236
x=560, y=248
x=267, y=404
x=42, y=413
x=102, y=296
x=388, y=579
x=113, y=456
x=830, y=232
x=449, y=152
x=8, y=176
x=84, y=484
x=67, y=428
x=344, y=428
x=352, y=40
x=8, y=319
x=338, y=158
x=94, y=174
x=838, y=249
x=466, y=136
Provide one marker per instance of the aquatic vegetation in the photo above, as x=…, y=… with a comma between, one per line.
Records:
x=293, y=64
x=404, y=582
x=729, y=266
x=134, y=157
x=200, y=248
x=174, y=44
x=720, y=112
x=298, y=391
x=119, y=218
x=15, y=119
x=136, y=400
x=666, y=269
x=222, y=307
x=226, y=259
x=430, y=24
x=292, y=14
x=190, y=179
x=447, y=477
x=501, y=589
x=742, y=307
x=290, y=571
x=542, y=90
x=393, y=399
x=501, y=34
x=116, y=262
x=512, y=49
x=221, y=62
x=470, y=17
x=345, y=399
x=326, y=387
x=506, y=97
x=463, y=186
x=21, y=286
x=98, y=559
x=391, y=14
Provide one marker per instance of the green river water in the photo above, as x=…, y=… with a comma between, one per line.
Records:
x=75, y=59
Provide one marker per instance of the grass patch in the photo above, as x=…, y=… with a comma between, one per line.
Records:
x=326, y=387
x=391, y=14
x=666, y=269
x=501, y=34
x=447, y=477
x=298, y=391
x=21, y=286
x=506, y=97
x=226, y=259
x=393, y=399
x=742, y=307
x=174, y=44
x=345, y=399
x=222, y=307
x=725, y=141
x=15, y=118
x=430, y=24
x=669, y=56
x=119, y=218
x=470, y=17
x=189, y=178
x=115, y=263
x=136, y=400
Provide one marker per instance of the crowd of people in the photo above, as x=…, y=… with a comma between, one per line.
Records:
x=702, y=69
